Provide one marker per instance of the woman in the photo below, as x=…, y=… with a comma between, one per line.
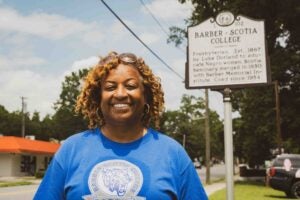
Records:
x=120, y=157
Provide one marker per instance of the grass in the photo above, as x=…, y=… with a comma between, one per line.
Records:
x=17, y=183
x=250, y=190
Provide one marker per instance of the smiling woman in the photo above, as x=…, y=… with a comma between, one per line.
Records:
x=98, y=81
x=120, y=156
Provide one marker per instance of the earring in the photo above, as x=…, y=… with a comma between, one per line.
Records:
x=147, y=108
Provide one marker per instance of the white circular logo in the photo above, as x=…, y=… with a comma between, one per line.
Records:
x=115, y=178
x=225, y=18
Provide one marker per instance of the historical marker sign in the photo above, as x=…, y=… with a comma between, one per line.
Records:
x=227, y=52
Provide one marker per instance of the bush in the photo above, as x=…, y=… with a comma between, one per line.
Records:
x=40, y=174
x=246, y=172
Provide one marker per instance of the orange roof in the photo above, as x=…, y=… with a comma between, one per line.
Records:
x=11, y=144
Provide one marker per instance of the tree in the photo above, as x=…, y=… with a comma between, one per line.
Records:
x=33, y=126
x=189, y=121
x=4, y=115
x=257, y=105
x=66, y=121
x=14, y=124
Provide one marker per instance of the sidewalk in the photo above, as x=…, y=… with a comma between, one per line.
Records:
x=214, y=187
x=210, y=189
x=12, y=179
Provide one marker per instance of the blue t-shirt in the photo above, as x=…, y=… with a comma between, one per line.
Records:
x=88, y=165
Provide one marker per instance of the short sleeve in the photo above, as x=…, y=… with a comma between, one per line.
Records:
x=52, y=185
x=191, y=186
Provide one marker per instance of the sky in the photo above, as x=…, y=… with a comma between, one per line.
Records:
x=43, y=41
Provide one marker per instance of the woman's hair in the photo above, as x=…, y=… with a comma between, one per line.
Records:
x=88, y=101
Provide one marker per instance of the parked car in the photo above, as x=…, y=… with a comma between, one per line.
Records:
x=197, y=163
x=284, y=174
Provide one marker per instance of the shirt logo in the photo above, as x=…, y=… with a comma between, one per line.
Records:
x=115, y=178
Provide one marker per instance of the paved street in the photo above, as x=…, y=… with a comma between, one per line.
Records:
x=217, y=172
x=27, y=192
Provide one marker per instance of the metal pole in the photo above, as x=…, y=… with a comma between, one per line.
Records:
x=279, y=138
x=183, y=140
x=23, y=117
x=228, y=144
x=207, y=139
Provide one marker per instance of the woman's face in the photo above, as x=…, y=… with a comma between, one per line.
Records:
x=122, y=96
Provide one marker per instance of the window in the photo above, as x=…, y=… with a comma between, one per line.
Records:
x=25, y=163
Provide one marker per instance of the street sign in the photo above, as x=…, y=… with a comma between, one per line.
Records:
x=227, y=52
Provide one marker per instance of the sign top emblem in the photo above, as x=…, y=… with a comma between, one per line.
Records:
x=225, y=18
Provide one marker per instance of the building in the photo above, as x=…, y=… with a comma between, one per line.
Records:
x=24, y=156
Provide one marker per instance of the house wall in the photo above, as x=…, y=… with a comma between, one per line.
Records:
x=16, y=166
x=10, y=164
x=6, y=164
x=40, y=162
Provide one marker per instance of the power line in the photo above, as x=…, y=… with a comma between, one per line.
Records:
x=159, y=24
x=157, y=56
x=155, y=19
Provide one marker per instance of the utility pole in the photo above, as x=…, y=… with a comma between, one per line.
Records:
x=207, y=139
x=183, y=140
x=228, y=144
x=279, y=137
x=23, y=116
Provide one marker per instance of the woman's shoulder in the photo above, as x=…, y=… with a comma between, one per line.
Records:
x=80, y=137
x=167, y=145
x=164, y=138
x=76, y=142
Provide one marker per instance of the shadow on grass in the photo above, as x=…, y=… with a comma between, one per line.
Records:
x=10, y=184
x=258, y=183
x=277, y=197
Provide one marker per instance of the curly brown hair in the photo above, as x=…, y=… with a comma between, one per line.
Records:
x=88, y=101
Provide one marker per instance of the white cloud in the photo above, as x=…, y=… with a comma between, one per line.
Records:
x=14, y=39
x=13, y=62
x=85, y=63
x=117, y=31
x=93, y=38
x=149, y=38
x=51, y=26
x=169, y=10
x=40, y=91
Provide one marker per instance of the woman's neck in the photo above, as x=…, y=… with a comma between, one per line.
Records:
x=123, y=134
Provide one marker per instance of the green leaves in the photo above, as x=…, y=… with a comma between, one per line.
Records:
x=189, y=121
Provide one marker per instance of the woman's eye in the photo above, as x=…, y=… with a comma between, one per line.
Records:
x=109, y=87
x=131, y=87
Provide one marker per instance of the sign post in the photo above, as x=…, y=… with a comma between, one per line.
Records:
x=228, y=144
x=223, y=53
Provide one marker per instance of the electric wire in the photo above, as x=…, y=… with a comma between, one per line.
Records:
x=157, y=21
x=154, y=18
x=141, y=41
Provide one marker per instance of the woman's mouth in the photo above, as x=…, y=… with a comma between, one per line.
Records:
x=121, y=105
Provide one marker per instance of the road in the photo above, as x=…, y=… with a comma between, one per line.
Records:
x=27, y=192
x=24, y=192
x=217, y=172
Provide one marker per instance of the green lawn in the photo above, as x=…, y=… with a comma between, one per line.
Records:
x=17, y=183
x=250, y=191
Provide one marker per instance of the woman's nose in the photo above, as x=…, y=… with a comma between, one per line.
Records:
x=120, y=92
